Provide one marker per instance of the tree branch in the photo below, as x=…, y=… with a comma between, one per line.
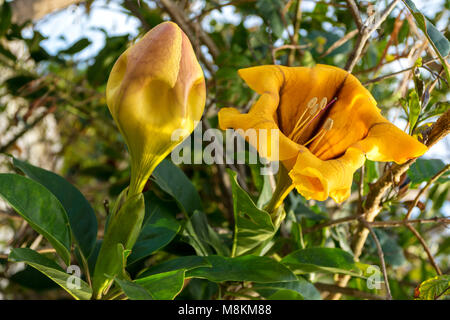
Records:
x=347, y=291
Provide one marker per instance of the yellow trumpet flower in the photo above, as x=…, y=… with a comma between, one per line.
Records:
x=155, y=87
x=328, y=125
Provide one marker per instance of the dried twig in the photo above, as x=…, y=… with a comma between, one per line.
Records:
x=340, y=42
x=347, y=291
x=425, y=247
x=364, y=34
x=353, y=8
x=422, y=191
x=381, y=256
x=390, y=75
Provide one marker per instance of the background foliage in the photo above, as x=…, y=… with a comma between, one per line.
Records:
x=53, y=115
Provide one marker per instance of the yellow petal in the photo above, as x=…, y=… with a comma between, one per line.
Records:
x=263, y=126
x=268, y=78
x=318, y=179
x=386, y=142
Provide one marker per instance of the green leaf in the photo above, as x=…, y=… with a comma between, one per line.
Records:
x=304, y=288
x=414, y=110
x=181, y=263
x=202, y=237
x=40, y=208
x=158, y=229
x=5, y=18
x=393, y=252
x=331, y=260
x=83, y=222
x=252, y=225
x=270, y=11
x=424, y=169
x=435, y=288
x=33, y=279
x=76, y=47
x=163, y=286
x=134, y=291
x=7, y=53
x=285, y=294
x=48, y=267
x=172, y=180
x=437, y=40
x=243, y=268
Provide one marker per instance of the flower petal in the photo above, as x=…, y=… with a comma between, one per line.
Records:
x=386, y=142
x=262, y=127
x=317, y=179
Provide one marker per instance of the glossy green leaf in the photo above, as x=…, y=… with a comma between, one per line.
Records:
x=172, y=180
x=414, y=110
x=270, y=10
x=253, y=226
x=163, y=286
x=285, y=294
x=40, y=208
x=180, y=263
x=434, y=288
x=331, y=260
x=83, y=222
x=243, y=268
x=158, y=229
x=437, y=40
x=304, y=288
x=77, y=46
x=392, y=251
x=5, y=18
x=424, y=169
x=134, y=291
x=202, y=237
x=75, y=286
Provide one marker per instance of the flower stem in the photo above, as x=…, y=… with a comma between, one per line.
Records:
x=282, y=189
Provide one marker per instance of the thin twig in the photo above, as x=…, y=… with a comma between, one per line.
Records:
x=25, y=129
x=364, y=34
x=298, y=17
x=422, y=191
x=399, y=223
x=425, y=247
x=353, y=8
x=340, y=42
x=390, y=75
x=381, y=256
x=347, y=291
x=330, y=223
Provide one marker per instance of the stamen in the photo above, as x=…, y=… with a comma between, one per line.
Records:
x=312, y=104
x=300, y=127
x=326, y=127
x=327, y=106
x=323, y=103
x=328, y=124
